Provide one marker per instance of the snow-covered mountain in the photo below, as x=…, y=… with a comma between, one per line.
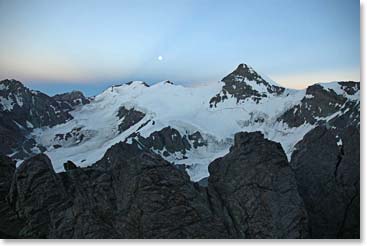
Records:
x=190, y=126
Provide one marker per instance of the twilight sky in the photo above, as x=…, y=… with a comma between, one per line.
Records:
x=56, y=46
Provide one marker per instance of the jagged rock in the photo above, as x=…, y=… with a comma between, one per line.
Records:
x=156, y=199
x=238, y=85
x=21, y=110
x=350, y=87
x=326, y=163
x=255, y=190
x=129, y=118
x=197, y=139
x=36, y=195
x=130, y=193
x=167, y=140
x=68, y=101
x=69, y=165
x=10, y=224
x=349, y=116
x=33, y=106
x=134, y=193
x=318, y=102
x=140, y=82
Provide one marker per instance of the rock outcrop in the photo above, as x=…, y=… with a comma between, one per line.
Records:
x=68, y=101
x=21, y=110
x=320, y=102
x=327, y=167
x=10, y=224
x=257, y=190
x=129, y=117
x=243, y=83
x=168, y=141
x=134, y=193
x=130, y=193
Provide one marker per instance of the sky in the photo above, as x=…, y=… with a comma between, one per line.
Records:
x=57, y=46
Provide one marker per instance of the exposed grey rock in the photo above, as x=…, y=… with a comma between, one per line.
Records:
x=167, y=141
x=255, y=190
x=235, y=86
x=129, y=118
x=197, y=140
x=68, y=101
x=129, y=83
x=349, y=116
x=28, y=110
x=326, y=163
x=156, y=199
x=130, y=193
x=350, y=87
x=319, y=102
x=10, y=224
x=36, y=194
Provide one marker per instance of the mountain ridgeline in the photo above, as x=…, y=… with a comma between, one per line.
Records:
x=240, y=158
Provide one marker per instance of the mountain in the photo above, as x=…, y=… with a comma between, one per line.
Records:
x=21, y=111
x=189, y=126
x=224, y=143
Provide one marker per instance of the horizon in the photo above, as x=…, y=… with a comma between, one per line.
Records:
x=57, y=47
x=95, y=89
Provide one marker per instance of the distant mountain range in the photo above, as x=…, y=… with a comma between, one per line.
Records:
x=299, y=155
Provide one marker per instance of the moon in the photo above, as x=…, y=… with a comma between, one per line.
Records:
x=160, y=58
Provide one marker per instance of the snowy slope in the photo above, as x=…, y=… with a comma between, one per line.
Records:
x=185, y=109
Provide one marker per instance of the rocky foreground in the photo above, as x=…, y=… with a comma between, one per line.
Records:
x=252, y=192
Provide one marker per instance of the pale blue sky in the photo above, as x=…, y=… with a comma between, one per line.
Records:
x=85, y=44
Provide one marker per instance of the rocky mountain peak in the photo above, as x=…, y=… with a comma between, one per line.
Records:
x=245, y=83
x=69, y=100
x=137, y=83
x=11, y=85
x=246, y=71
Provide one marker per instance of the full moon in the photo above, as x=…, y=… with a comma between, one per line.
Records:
x=160, y=58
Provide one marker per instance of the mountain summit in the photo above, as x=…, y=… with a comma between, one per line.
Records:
x=245, y=83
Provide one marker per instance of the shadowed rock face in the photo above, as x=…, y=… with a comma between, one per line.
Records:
x=9, y=222
x=36, y=194
x=326, y=163
x=168, y=141
x=257, y=190
x=130, y=193
x=129, y=118
x=24, y=110
x=133, y=193
x=157, y=200
x=319, y=102
x=68, y=101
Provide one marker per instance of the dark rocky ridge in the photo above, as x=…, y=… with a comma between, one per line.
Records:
x=327, y=167
x=319, y=102
x=29, y=109
x=9, y=221
x=258, y=190
x=134, y=193
x=68, y=101
x=130, y=118
x=235, y=86
x=169, y=141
